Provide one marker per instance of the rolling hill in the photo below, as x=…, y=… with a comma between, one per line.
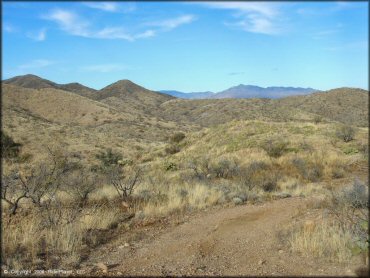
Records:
x=31, y=81
x=131, y=118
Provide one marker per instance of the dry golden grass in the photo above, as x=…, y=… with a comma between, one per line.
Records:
x=323, y=240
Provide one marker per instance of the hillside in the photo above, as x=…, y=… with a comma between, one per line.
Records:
x=127, y=96
x=346, y=105
x=37, y=118
x=35, y=82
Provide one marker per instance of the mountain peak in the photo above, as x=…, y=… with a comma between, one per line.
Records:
x=30, y=81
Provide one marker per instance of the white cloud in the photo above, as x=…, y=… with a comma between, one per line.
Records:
x=112, y=6
x=69, y=22
x=38, y=36
x=73, y=24
x=104, y=68
x=112, y=33
x=255, y=17
x=36, y=64
x=173, y=23
x=146, y=34
x=104, y=6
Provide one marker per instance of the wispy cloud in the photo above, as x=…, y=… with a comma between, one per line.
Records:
x=69, y=22
x=112, y=6
x=104, y=68
x=73, y=24
x=38, y=36
x=9, y=28
x=36, y=64
x=173, y=23
x=254, y=17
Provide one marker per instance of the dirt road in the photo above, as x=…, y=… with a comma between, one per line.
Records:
x=242, y=240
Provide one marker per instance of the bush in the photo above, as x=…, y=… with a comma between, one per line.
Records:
x=350, y=206
x=225, y=169
x=312, y=171
x=109, y=158
x=346, y=133
x=356, y=196
x=170, y=166
x=201, y=166
x=317, y=119
x=275, y=148
x=172, y=149
x=177, y=137
x=9, y=148
x=249, y=175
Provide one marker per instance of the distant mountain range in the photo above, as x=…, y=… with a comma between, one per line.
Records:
x=195, y=95
x=142, y=110
x=244, y=91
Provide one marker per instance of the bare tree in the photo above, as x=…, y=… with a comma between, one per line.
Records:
x=38, y=183
x=12, y=191
x=124, y=180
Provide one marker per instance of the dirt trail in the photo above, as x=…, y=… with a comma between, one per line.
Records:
x=242, y=240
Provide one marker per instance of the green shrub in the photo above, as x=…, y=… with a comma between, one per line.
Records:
x=109, y=158
x=250, y=175
x=356, y=195
x=312, y=171
x=172, y=149
x=317, y=119
x=346, y=133
x=9, y=148
x=275, y=147
x=170, y=166
x=177, y=137
x=225, y=169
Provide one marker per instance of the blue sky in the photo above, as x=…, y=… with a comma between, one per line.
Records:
x=189, y=46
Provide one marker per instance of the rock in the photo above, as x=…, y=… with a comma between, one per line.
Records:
x=281, y=251
x=126, y=244
x=102, y=267
x=261, y=262
x=237, y=201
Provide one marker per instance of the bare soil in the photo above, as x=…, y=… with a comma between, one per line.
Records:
x=241, y=240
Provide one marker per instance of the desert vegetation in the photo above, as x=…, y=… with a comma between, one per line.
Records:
x=106, y=173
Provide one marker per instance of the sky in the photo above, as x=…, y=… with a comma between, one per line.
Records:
x=189, y=46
